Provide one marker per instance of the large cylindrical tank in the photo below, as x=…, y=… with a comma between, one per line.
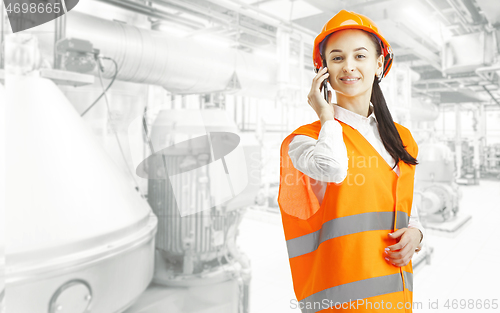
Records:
x=80, y=237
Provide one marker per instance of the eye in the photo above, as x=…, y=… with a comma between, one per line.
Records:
x=337, y=58
x=361, y=56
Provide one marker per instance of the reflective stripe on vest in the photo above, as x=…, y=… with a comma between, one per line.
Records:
x=342, y=226
x=356, y=290
x=408, y=280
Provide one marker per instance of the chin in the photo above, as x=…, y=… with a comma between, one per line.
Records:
x=348, y=91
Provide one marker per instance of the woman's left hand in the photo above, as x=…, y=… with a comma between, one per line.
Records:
x=401, y=253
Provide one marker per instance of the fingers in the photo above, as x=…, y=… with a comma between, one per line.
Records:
x=317, y=81
x=402, y=260
x=401, y=253
x=404, y=241
x=396, y=246
x=315, y=97
x=397, y=233
x=395, y=255
x=319, y=78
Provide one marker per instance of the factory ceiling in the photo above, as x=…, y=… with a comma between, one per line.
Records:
x=429, y=36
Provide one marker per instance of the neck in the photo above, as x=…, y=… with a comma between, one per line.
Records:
x=359, y=105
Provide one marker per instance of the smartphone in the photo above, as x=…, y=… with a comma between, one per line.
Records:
x=325, y=84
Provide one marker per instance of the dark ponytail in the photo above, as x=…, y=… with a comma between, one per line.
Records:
x=388, y=132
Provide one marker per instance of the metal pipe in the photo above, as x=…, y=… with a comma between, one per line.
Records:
x=422, y=92
x=260, y=15
x=439, y=80
x=437, y=89
x=193, y=10
x=438, y=11
x=212, y=15
x=189, y=9
x=59, y=33
x=248, y=27
x=462, y=18
x=152, y=12
x=458, y=140
x=180, y=65
x=491, y=95
x=480, y=71
x=367, y=3
x=474, y=13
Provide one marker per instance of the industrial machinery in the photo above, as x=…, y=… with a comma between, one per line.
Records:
x=89, y=244
x=468, y=174
x=435, y=182
x=196, y=249
x=491, y=164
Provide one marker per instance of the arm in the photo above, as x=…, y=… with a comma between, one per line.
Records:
x=324, y=159
x=414, y=218
x=415, y=223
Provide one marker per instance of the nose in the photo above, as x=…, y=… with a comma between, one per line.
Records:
x=348, y=66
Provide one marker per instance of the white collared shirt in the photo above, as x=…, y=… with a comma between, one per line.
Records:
x=325, y=159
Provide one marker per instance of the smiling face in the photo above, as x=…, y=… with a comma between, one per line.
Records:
x=352, y=61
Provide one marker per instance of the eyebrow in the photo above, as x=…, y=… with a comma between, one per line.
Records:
x=357, y=49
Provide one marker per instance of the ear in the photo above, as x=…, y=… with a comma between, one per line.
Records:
x=380, y=65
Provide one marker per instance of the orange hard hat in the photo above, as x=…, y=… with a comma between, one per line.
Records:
x=349, y=20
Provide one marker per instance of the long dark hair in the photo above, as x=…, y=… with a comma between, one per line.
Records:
x=388, y=132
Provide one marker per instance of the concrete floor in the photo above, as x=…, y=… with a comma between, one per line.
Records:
x=458, y=269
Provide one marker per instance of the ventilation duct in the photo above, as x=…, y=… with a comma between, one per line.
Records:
x=467, y=52
x=180, y=65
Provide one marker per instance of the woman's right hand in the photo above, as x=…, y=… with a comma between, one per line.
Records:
x=315, y=97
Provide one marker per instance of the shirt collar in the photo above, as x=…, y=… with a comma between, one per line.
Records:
x=352, y=119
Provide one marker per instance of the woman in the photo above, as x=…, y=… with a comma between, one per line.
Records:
x=346, y=185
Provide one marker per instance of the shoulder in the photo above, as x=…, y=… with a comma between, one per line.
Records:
x=408, y=140
x=311, y=130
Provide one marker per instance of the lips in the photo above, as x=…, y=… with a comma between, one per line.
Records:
x=349, y=79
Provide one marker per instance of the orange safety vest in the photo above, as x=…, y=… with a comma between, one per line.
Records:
x=336, y=249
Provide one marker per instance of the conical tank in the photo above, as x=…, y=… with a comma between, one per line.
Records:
x=79, y=236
